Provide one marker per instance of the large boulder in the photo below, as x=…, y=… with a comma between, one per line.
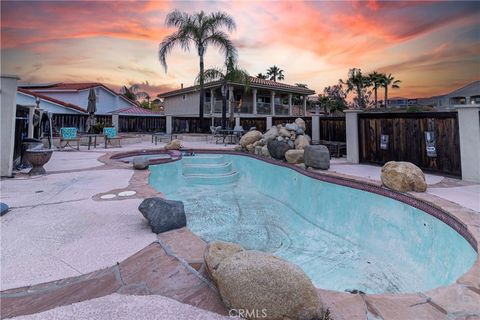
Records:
x=265, y=152
x=284, y=132
x=216, y=252
x=291, y=126
x=317, y=157
x=250, y=137
x=253, y=280
x=174, y=145
x=301, y=142
x=301, y=123
x=277, y=149
x=163, y=215
x=294, y=156
x=403, y=176
x=270, y=135
x=140, y=163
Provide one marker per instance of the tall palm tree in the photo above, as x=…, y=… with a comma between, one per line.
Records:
x=201, y=30
x=130, y=92
x=261, y=76
x=357, y=82
x=231, y=74
x=389, y=81
x=376, y=80
x=275, y=73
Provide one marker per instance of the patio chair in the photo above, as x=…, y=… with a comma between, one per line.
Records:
x=110, y=134
x=215, y=135
x=68, y=135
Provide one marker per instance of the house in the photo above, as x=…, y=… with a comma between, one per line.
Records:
x=468, y=94
x=68, y=98
x=263, y=98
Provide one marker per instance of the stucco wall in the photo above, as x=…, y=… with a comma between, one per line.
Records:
x=177, y=106
x=26, y=100
x=8, y=110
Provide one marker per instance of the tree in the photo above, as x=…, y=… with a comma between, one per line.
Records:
x=230, y=74
x=333, y=99
x=130, y=92
x=375, y=79
x=275, y=73
x=301, y=85
x=261, y=76
x=389, y=81
x=359, y=83
x=201, y=30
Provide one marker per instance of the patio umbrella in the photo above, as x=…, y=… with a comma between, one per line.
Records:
x=91, y=109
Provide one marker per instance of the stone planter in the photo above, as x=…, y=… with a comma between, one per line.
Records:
x=37, y=158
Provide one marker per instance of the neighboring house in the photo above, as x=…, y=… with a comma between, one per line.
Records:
x=469, y=94
x=28, y=98
x=76, y=94
x=263, y=98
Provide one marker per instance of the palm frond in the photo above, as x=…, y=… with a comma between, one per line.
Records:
x=179, y=38
x=209, y=75
x=177, y=18
x=225, y=45
x=219, y=19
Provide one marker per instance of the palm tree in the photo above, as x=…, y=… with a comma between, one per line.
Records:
x=389, y=81
x=201, y=30
x=231, y=74
x=376, y=80
x=261, y=76
x=130, y=92
x=275, y=73
x=357, y=82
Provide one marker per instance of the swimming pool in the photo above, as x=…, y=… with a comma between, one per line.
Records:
x=343, y=238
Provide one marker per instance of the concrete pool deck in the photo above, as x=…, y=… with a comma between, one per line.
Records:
x=57, y=229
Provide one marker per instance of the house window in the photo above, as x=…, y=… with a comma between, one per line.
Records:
x=207, y=96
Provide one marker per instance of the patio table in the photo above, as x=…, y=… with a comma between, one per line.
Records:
x=90, y=136
x=160, y=135
x=230, y=133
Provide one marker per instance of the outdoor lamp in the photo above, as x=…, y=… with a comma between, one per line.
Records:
x=37, y=102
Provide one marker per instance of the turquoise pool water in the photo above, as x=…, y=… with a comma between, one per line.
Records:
x=343, y=238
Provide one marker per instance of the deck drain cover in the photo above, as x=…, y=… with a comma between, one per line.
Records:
x=108, y=196
x=126, y=193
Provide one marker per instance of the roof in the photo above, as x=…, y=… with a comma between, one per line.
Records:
x=136, y=111
x=53, y=100
x=254, y=82
x=474, y=86
x=71, y=87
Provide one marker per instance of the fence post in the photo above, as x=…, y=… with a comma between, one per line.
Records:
x=315, y=128
x=351, y=124
x=168, y=124
x=8, y=98
x=469, y=129
x=269, y=122
x=115, y=121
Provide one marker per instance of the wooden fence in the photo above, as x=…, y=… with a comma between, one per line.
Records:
x=141, y=124
x=406, y=133
x=333, y=129
x=68, y=120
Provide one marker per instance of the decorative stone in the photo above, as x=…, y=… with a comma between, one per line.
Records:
x=294, y=156
x=277, y=149
x=280, y=138
x=3, y=208
x=260, y=143
x=291, y=126
x=301, y=142
x=301, y=123
x=265, y=152
x=258, y=150
x=238, y=148
x=299, y=131
x=291, y=144
x=250, y=137
x=317, y=157
x=270, y=135
x=403, y=176
x=140, y=163
x=174, y=145
x=253, y=280
x=163, y=215
x=250, y=148
x=284, y=132
x=216, y=252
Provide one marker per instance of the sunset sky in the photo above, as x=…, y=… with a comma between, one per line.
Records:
x=433, y=47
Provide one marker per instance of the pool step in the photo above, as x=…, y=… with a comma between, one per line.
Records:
x=208, y=170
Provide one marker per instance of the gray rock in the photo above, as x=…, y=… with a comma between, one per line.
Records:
x=317, y=157
x=299, y=131
x=163, y=215
x=270, y=135
x=291, y=144
x=291, y=126
x=277, y=149
x=280, y=138
x=140, y=163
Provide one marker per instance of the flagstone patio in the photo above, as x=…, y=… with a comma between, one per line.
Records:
x=65, y=251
